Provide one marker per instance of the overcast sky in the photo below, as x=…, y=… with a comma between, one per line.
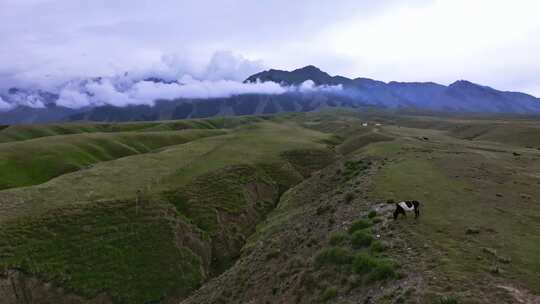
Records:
x=492, y=42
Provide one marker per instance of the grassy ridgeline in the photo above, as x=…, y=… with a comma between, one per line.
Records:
x=10, y=133
x=33, y=154
x=36, y=161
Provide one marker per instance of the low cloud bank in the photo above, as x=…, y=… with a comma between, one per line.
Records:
x=106, y=92
x=171, y=78
x=4, y=106
x=146, y=92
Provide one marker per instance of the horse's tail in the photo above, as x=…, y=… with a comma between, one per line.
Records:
x=416, y=205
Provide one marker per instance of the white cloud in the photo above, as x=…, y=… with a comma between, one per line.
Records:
x=222, y=77
x=4, y=106
x=309, y=86
x=72, y=98
x=226, y=65
x=195, y=89
x=105, y=92
x=31, y=99
x=170, y=78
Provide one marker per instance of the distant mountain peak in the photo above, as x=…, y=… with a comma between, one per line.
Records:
x=463, y=83
x=309, y=69
x=299, y=76
x=294, y=77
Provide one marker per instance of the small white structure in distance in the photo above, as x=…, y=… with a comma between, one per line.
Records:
x=377, y=124
x=364, y=124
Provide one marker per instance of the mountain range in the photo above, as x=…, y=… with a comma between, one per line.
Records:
x=35, y=106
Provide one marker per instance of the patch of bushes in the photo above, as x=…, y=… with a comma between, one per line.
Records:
x=354, y=168
x=375, y=269
x=447, y=300
x=363, y=263
x=362, y=268
x=372, y=214
x=338, y=256
x=361, y=239
x=383, y=270
x=359, y=225
x=338, y=239
x=377, y=247
x=329, y=293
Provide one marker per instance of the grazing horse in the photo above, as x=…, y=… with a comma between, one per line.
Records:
x=402, y=207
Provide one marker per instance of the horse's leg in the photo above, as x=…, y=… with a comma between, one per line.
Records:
x=397, y=212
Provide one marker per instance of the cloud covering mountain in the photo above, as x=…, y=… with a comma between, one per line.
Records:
x=170, y=91
x=170, y=78
x=4, y=106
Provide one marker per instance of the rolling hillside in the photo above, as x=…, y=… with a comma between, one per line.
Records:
x=292, y=208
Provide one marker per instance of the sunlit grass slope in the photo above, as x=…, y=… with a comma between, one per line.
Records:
x=480, y=210
x=36, y=161
x=10, y=133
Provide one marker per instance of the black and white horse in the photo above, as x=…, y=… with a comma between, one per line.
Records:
x=406, y=206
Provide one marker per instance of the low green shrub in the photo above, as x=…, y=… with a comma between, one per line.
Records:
x=383, y=270
x=338, y=239
x=377, y=247
x=372, y=214
x=354, y=168
x=329, y=293
x=364, y=263
x=374, y=268
x=334, y=256
x=361, y=239
x=359, y=225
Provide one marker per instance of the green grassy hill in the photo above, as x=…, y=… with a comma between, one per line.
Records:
x=286, y=209
x=191, y=204
x=38, y=160
x=10, y=133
